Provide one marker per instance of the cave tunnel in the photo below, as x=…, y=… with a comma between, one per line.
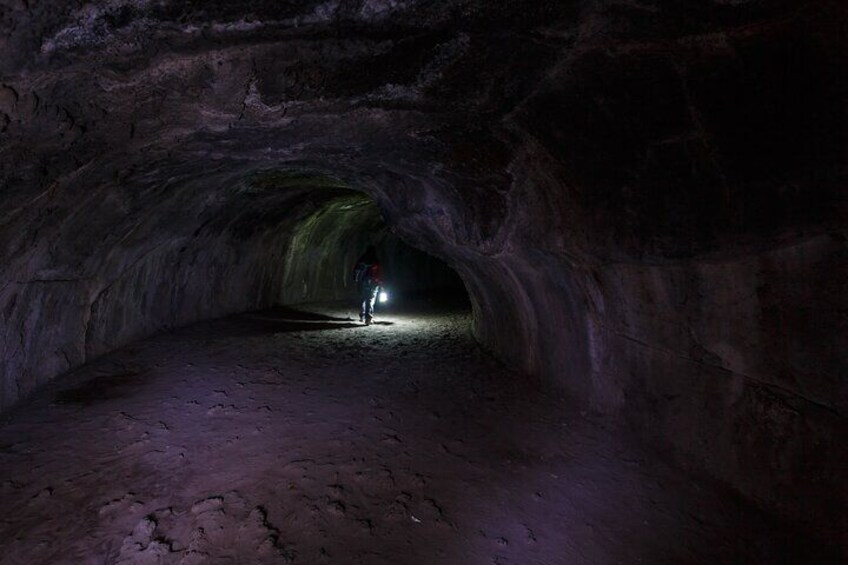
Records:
x=613, y=235
x=325, y=246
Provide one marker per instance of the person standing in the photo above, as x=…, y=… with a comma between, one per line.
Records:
x=368, y=275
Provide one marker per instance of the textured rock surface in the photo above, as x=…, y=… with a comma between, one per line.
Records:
x=646, y=201
x=287, y=436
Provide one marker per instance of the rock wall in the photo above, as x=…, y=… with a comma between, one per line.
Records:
x=126, y=262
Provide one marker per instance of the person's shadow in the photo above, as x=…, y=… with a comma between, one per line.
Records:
x=284, y=313
x=285, y=319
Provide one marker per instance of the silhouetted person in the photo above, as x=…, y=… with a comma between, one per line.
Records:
x=368, y=276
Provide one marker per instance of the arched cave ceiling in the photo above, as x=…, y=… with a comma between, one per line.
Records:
x=629, y=128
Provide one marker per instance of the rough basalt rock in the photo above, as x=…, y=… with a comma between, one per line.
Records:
x=646, y=201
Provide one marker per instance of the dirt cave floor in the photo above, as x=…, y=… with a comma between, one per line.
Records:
x=301, y=436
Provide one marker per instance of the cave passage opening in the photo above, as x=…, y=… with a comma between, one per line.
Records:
x=326, y=244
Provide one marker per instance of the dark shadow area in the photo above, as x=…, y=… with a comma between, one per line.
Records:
x=285, y=313
x=259, y=326
x=425, y=302
x=100, y=389
x=282, y=319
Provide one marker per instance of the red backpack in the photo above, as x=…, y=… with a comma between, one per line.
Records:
x=363, y=272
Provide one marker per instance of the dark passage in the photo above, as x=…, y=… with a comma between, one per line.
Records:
x=331, y=239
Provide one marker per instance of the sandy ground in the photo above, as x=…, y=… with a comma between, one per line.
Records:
x=287, y=436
